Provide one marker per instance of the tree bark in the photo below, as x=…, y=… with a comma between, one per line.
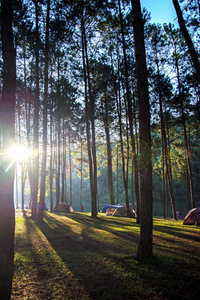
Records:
x=164, y=142
x=70, y=171
x=51, y=162
x=63, y=193
x=146, y=221
x=44, y=152
x=109, y=153
x=58, y=141
x=130, y=114
x=187, y=154
x=124, y=175
x=187, y=38
x=7, y=140
x=35, y=168
x=81, y=179
x=89, y=107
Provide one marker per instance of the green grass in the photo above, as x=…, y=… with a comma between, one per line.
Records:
x=73, y=256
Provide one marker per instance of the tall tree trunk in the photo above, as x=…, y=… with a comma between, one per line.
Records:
x=87, y=116
x=163, y=179
x=89, y=107
x=130, y=114
x=58, y=165
x=117, y=177
x=63, y=193
x=187, y=38
x=45, y=102
x=7, y=139
x=70, y=171
x=51, y=161
x=164, y=141
x=35, y=168
x=28, y=121
x=169, y=168
x=109, y=153
x=123, y=155
x=58, y=140
x=81, y=179
x=119, y=112
x=94, y=157
x=187, y=154
x=146, y=221
x=136, y=175
x=188, y=158
x=23, y=181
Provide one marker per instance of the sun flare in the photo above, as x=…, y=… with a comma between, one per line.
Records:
x=19, y=153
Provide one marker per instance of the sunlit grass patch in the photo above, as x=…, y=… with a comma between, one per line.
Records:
x=76, y=256
x=39, y=271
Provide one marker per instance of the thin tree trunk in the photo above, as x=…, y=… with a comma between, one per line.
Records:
x=136, y=175
x=94, y=157
x=164, y=140
x=109, y=154
x=63, y=193
x=45, y=102
x=169, y=169
x=70, y=171
x=163, y=179
x=93, y=179
x=51, y=161
x=187, y=155
x=130, y=114
x=119, y=112
x=58, y=141
x=187, y=38
x=81, y=179
x=117, y=185
x=58, y=165
x=35, y=168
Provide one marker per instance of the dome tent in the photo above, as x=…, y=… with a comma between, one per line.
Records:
x=192, y=217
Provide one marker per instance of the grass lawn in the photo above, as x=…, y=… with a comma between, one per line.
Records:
x=73, y=256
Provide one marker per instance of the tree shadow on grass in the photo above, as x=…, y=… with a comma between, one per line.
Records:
x=93, y=262
x=112, y=225
x=179, y=232
x=159, y=278
x=100, y=265
x=166, y=279
x=39, y=272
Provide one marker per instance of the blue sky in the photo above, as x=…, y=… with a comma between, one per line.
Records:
x=162, y=11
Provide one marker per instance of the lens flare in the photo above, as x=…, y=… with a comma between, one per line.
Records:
x=18, y=153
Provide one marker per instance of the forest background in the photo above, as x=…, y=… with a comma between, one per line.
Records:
x=65, y=93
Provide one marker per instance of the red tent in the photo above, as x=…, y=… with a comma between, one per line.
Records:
x=193, y=217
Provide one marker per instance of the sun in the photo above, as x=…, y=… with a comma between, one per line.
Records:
x=19, y=153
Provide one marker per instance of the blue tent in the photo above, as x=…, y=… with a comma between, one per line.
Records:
x=105, y=208
x=109, y=206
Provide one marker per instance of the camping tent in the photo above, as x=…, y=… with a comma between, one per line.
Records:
x=179, y=215
x=63, y=206
x=193, y=217
x=105, y=208
x=109, y=206
x=122, y=212
x=109, y=211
